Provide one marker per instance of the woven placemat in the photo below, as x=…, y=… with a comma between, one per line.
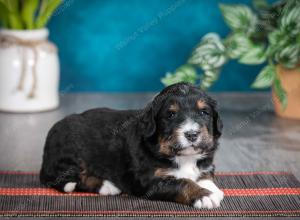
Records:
x=246, y=194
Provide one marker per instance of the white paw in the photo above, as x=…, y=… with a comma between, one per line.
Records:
x=204, y=203
x=198, y=204
x=69, y=187
x=209, y=202
x=108, y=188
x=216, y=198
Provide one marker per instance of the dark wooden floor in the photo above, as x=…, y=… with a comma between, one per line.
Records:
x=254, y=139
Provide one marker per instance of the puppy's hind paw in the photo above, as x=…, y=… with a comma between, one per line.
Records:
x=109, y=189
x=69, y=187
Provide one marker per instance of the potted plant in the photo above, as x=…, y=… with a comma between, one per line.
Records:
x=29, y=66
x=267, y=34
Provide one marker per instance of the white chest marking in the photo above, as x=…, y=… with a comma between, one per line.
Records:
x=187, y=167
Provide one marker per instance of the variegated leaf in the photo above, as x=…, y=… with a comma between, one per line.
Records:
x=288, y=56
x=209, y=77
x=255, y=55
x=265, y=78
x=280, y=93
x=239, y=17
x=209, y=54
x=238, y=44
x=290, y=20
x=185, y=73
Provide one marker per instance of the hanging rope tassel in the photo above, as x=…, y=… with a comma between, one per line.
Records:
x=34, y=75
x=23, y=70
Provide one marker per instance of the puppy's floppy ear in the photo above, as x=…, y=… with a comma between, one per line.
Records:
x=148, y=124
x=217, y=124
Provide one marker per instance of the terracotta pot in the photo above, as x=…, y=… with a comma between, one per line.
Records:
x=290, y=81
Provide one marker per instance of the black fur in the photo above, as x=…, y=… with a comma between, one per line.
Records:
x=124, y=148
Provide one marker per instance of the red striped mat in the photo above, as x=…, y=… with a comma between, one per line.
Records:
x=246, y=194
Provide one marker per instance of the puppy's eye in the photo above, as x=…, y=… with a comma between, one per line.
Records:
x=171, y=114
x=203, y=112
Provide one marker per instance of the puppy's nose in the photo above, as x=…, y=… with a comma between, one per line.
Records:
x=191, y=135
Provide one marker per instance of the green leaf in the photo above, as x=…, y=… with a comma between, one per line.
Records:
x=14, y=20
x=185, y=73
x=12, y=5
x=237, y=45
x=288, y=56
x=47, y=9
x=290, y=20
x=255, y=55
x=280, y=93
x=239, y=18
x=278, y=37
x=278, y=40
x=260, y=4
x=210, y=53
x=3, y=15
x=265, y=78
x=208, y=78
x=28, y=12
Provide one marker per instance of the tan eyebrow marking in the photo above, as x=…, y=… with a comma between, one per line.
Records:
x=201, y=104
x=174, y=107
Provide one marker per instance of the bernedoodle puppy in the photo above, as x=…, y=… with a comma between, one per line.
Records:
x=162, y=152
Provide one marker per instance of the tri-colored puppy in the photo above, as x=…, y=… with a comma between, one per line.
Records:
x=162, y=152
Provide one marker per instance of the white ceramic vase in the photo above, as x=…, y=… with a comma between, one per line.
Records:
x=29, y=71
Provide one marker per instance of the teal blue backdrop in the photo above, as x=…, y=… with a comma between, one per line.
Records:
x=128, y=45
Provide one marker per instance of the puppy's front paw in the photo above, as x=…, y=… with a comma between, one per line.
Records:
x=209, y=202
x=216, y=198
x=213, y=200
x=204, y=202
